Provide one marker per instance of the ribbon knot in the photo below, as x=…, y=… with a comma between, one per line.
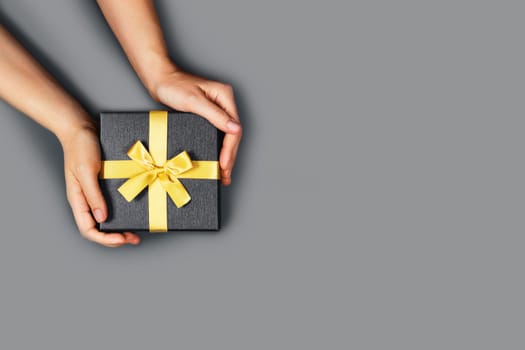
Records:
x=167, y=174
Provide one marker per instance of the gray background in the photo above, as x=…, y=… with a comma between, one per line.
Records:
x=377, y=202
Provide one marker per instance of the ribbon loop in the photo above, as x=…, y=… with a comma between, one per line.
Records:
x=178, y=164
x=140, y=154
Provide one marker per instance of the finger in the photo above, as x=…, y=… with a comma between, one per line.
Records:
x=222, y=94
x=88, y=179
x=84, y=220
x=112, y=240
x=230, y=146
x=215, y=115
x=132, y=238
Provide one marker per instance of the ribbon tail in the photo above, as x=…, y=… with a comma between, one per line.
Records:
x=133, y=186
x=176, y=191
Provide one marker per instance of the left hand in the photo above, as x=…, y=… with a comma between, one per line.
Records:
x=210, y=99
x=81, y=166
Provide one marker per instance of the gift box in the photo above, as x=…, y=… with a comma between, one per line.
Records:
x=159, y=172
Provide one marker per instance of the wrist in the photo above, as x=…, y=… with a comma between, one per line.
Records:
x=156, y=68
x=76, y=124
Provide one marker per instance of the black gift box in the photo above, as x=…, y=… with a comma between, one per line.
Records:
x=186, y=131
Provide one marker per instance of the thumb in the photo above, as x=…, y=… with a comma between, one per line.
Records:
x=88, y=180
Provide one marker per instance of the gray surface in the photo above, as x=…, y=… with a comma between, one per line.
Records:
x=377, y=204
x=186, y=131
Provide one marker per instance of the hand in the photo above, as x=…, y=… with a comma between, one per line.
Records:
x=210, y=99
x=82, y=165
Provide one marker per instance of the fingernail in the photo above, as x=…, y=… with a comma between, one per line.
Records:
x=233, y=126
x=99, y=216
x=134, y=240
x=226, y=180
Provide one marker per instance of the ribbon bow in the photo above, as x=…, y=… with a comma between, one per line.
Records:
x=166, y=173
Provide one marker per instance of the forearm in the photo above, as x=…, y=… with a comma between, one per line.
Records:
x=30, y=89
x=137, y=28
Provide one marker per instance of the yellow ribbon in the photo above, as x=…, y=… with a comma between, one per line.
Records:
x=162, y=176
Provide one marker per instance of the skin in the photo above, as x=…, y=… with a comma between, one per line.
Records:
x=29, y=88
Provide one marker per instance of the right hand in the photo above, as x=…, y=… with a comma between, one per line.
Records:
x=210, y=99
